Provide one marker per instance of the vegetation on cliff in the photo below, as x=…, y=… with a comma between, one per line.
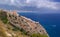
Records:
x=3, y=16
x=38, y=35
x=8, y=30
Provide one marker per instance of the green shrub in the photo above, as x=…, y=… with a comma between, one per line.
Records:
x=3, y=17
x=38, y=35
x=22, y=30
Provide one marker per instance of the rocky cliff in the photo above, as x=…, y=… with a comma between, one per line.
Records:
x=15, y=25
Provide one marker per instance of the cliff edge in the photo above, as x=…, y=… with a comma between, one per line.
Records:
x=16, y=25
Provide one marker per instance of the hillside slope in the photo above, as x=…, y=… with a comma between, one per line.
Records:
x=13, y=25
x=7, y=30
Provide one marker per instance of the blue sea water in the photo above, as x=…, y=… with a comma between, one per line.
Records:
x=51, y=22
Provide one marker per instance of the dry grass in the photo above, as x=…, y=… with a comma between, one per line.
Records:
x=2, y=30
x=8, y=28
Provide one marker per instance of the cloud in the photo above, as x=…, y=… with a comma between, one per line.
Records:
x=12, y=1
x=35, y=3
x=44, y=3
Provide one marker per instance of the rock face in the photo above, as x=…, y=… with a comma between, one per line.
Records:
x=6, y=29
x=24, y=23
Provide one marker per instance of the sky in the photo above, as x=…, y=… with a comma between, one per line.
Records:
x=32, y=5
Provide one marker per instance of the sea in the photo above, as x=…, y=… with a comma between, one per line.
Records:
x=51, y=22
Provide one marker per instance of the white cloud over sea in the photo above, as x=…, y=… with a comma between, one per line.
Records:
x=35, y=3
